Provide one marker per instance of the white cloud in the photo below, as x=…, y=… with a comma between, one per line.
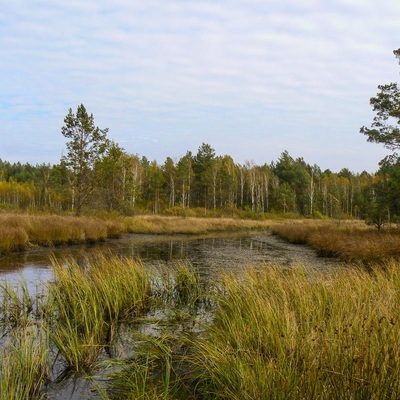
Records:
x=297, y=67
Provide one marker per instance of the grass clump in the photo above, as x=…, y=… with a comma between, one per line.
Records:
x=24, y=363
x=152, y=373
x=280, y=334
x=16, y=303
x=89, y=300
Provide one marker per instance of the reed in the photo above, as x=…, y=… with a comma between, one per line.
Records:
x=16, y=304
x=280, y=334
x=56, y=230
x=24, y=363
x=12, y=239
x=275, y=333
x=87, y=301
x=187, y=286
x=20, y=231
x=152, y=374
x=123, y=286
x=297, y=232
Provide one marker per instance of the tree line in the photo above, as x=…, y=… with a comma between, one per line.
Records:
x=98, y=175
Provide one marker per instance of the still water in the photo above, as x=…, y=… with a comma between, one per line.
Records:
x=206, y=253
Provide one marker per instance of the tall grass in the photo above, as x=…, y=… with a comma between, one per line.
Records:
x=354, y=242
x=281, y=334
x=88, y=301
x=16, y=304
x=24, y=363
x=20, y=231
x=177, y=284
x=151, y=375
x=275, y=333
x=179, y=225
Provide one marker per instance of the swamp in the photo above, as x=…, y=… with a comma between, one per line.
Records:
x=223, y=315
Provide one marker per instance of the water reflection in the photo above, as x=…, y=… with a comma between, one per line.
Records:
x=203, y=252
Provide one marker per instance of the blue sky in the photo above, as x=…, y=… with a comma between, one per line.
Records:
x=250, y=77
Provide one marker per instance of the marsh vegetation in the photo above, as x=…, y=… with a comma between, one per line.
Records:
x=350, y=241
x=146, y=333
x=23, y=231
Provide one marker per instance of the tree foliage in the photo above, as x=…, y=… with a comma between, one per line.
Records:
x=385, y=127
x=85, y=146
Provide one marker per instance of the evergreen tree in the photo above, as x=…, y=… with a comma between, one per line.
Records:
x=86, y=145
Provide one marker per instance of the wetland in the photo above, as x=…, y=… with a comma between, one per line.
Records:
x=207, y=256
x=222, y=316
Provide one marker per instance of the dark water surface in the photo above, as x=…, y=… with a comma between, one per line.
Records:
x=207, y=253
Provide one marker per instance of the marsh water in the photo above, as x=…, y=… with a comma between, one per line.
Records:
x=207, y=254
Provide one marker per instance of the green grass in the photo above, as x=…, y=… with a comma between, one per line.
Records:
x=16, y=304
x=88, y=301
x=275, y=333
x=24, y=363
x=281, y=334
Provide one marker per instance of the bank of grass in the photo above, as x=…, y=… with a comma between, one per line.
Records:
x=153, y=224
x=351, y=241
x=21, y=231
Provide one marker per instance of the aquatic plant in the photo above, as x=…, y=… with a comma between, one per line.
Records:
x=24, y=363
x=16, y=304
x=87, y=301
x=280, y=334
x=154, y=372
x=179, y=225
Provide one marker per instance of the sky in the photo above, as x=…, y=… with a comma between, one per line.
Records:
x=252, y=78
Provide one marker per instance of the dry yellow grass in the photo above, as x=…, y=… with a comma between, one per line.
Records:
x=178, y=225
x=350, y=241
x=19, y=231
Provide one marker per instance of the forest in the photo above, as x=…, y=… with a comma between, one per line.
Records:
x=200, y=184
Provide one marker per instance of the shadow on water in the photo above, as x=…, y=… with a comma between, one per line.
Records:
x=206, y=254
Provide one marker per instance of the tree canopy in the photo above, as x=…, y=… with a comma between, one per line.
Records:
x=85, y=146
x=385, y=127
